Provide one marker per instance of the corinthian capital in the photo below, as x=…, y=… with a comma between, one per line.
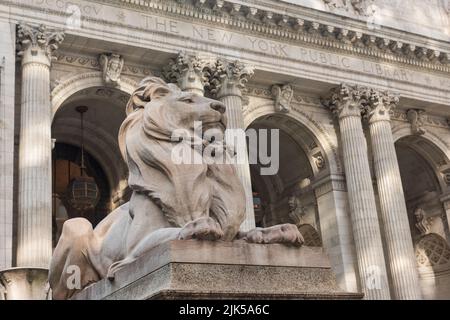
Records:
x=228, y=78
x=188, y=71
x=345, y=100
x=37, y=43
x=378, y=104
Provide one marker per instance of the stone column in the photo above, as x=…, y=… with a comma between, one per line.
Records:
x=228, y=78
x=188, y=71
x=34, y=242
x=7, y=92
x=394, y=216
x=345, y=102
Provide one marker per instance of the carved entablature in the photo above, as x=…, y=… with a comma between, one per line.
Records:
x=283, y=97
x=297, y=28
x=417, y=118
x=112, y=66
x=35, y=41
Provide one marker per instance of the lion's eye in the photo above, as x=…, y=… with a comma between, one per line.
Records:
x=187, y=100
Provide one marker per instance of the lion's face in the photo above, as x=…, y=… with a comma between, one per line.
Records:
x=173, y=109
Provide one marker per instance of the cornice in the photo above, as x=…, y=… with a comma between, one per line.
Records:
x=297, y=24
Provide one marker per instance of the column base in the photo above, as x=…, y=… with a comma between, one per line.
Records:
x=24, y=284
x=222, y=270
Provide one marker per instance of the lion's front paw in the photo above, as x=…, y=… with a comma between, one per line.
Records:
x=284, y=233
x=202, y=229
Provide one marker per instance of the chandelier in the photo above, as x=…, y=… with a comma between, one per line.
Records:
x=83, y=193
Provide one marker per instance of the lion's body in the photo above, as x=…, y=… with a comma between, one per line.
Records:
x=204, y=200
x=169, y=201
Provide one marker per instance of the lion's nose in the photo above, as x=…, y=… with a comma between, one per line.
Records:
x=218, y=106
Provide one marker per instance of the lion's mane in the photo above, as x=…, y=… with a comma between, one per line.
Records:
x=184, y=192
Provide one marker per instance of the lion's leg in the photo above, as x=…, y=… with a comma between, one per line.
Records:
x=202, y=229
x=146, y=217
x=149, y=242
x=283, y=233
x=70, y=268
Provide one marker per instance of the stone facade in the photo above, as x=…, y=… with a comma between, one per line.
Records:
x=360, y=96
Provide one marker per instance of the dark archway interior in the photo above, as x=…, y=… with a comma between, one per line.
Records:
x=418, y=159
x=272, y=192
x=66, y=166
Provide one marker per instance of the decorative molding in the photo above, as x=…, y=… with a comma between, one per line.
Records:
x=91, y=62
x=329, y=184
x=435, y=121
x=357, y=6
x=266, y=93
x=293, y=28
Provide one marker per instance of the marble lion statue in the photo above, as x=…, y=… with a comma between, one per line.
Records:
x=169, y=201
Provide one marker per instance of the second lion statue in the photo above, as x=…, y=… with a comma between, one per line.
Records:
x=170, y=201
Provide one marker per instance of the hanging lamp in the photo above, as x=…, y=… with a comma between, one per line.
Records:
x=83, y=193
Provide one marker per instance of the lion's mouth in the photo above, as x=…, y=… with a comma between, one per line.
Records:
x=221, y=124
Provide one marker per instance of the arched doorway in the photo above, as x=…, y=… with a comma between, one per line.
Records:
x=103, y=160
x=288, y=196
x=424, y=168
x=311, y=152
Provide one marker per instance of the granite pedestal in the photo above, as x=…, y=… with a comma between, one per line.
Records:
x=223, y=270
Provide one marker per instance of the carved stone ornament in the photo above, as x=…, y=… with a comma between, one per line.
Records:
x=165, y=204
x=296, y=210
x=112, y=65
x=228, y=77
x=418, y=119
x=319, y=160
x=283, y=96
x=345, y=100
x=446, y=176
x=36, y=39
x=423, y=224
x=378, y=104
x=188, y=71
x=358, y=6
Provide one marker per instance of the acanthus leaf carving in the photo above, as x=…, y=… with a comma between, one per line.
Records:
x=35, y=38
x=378, y=104
x=228, y=77
x=188, y=71
x=345, y=100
